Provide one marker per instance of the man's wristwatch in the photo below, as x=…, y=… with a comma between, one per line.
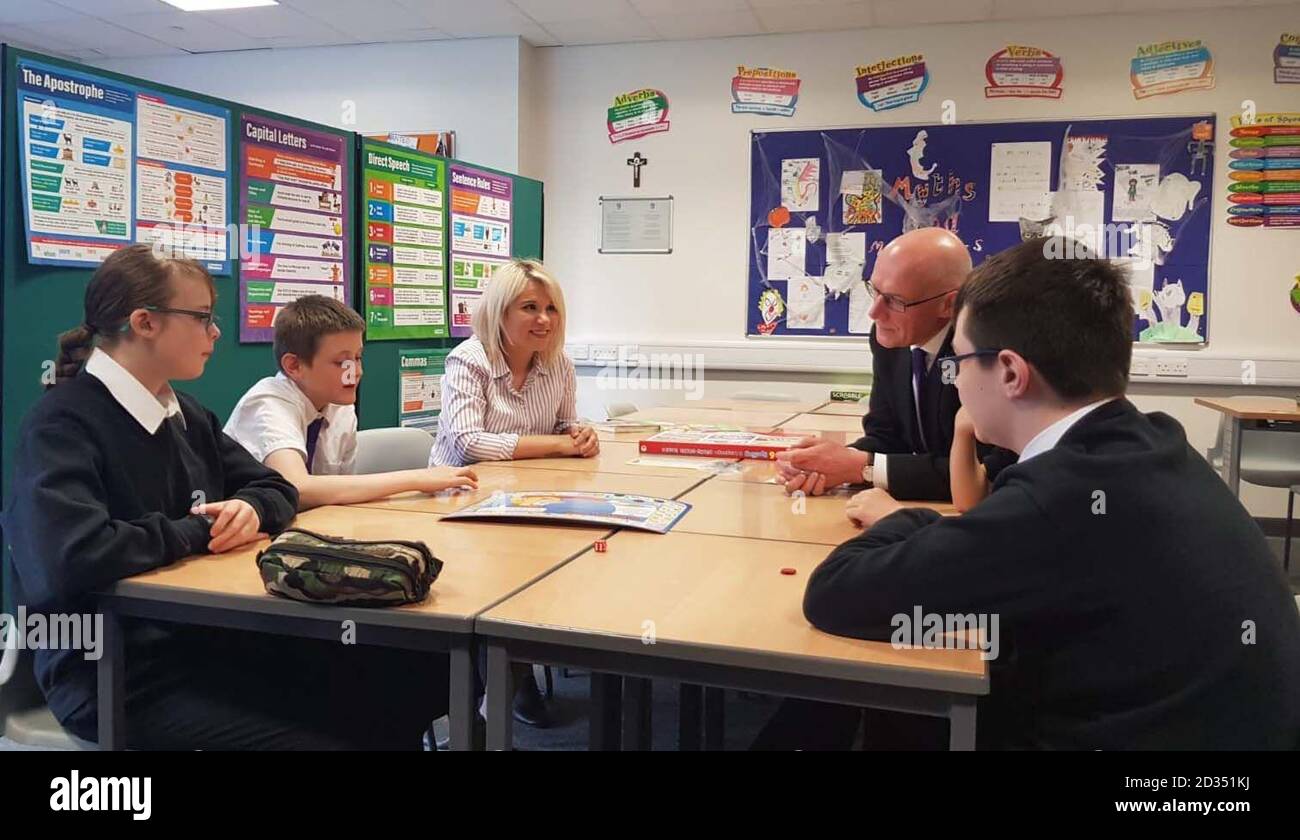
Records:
x=868, y=471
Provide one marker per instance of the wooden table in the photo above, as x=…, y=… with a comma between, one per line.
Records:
x=818, y=423
x=713, y=611
x=507, y=477
x=1276, y=414
x=613, y=458
x=792, y=407
x=749, y=420
x=484, y=563
x=843, y=409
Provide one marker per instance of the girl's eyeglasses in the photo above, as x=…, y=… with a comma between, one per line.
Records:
x=206, y=319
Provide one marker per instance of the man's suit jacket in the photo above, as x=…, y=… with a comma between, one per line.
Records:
x=917, y=466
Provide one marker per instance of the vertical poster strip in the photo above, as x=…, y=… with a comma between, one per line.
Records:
x=419, y=399
x=481, y=220
x=405, y=243
x=294, y=195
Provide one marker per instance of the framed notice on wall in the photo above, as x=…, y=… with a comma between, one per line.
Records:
x=635, y=225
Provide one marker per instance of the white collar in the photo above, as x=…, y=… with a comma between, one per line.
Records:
x=147, y=409
x=305, y=404
x=1050, y=436
x=932, y=345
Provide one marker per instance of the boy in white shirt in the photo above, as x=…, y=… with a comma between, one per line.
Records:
x=302, y=422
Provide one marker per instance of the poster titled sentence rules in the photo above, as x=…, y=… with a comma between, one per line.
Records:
x=295, y=188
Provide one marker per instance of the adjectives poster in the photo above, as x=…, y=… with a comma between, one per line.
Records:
x=294, y=195
x=405, y=243
x=481, y=218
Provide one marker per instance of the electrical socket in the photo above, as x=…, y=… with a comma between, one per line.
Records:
x=577, y=352
x=604, y=353
x=1140, y=366
x=1171, y=366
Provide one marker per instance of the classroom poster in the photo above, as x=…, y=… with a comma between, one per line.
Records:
x=637, y=114
x=892, y=83
x=1286, y=59
x=481, y=218
x=1171, y=67
x=764, y=90
x=105, y=164
x=405, y=243
x=1023, y=72
x=295, y=191
x=1264, y=172
x=419, y=398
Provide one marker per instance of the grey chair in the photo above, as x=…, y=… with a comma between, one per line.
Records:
x=24, y=717
x=1269, y=458
x=387, y=450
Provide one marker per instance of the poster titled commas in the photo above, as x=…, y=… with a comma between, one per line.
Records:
x=105, y=164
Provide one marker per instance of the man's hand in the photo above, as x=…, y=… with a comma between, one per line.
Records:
x=870, y=506
x=815, y=465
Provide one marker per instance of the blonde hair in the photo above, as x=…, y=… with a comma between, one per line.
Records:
x=508, y=282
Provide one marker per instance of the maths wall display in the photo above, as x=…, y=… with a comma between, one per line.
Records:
x=419, y=398
x=405, y=243
x=764, y=90
x=295, y=195
x=893, y=82
x=1171, y=67
x=636, y=114
x=1024, y=73
x=1264, y=172
x=1134, y=191
x=106, y=163
x=481, y=218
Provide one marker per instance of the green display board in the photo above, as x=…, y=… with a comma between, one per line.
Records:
x=38, y=302
x=404, y=245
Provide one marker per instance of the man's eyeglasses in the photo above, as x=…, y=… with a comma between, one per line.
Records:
x=896, y=303
x=206, y=319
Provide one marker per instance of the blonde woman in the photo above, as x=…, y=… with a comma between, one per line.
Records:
x=510, y=392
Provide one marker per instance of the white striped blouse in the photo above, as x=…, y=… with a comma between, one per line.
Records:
x=483, y=416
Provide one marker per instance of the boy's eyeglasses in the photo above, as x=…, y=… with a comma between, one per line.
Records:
x=206, y=319
x=951, y=365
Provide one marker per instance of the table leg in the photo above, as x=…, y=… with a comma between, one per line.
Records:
x=715, y=723
x=961, y=722
x=606, y=705
x=461, y=708
x=1232, y=455
x=500, y=699
x=111, y=682
x=690, y=708
x=636, y=713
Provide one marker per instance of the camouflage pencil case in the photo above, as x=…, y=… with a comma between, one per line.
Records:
x=307, y=566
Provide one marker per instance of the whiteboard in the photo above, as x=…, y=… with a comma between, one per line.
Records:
x=636, y=225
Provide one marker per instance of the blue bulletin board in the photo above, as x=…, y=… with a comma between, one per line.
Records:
x=823, y=203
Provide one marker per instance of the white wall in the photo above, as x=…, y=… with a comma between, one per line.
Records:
x=471, y=87
x=695, y=297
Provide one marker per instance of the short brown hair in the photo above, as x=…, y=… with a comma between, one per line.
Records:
x=300, y=326
x=1072, y=319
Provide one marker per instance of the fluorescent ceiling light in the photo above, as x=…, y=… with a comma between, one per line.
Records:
x=217, y=5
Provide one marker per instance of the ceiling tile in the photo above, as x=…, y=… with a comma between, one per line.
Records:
x=666, y=8
x=190, y=32
x=1030, y=9
x=909, y=12
x=86, y=33
x=709, y=25
x=612, y=31
x=550, y=11
x=33, y=11
x=275, y=22
x=816, y=18
x=108, y=9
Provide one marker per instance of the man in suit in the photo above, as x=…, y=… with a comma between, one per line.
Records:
x=908, y=428
x=1138, y=605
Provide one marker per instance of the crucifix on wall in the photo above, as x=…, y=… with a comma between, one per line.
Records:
x=636, y=162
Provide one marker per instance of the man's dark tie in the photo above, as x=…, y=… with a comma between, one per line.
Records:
x=918, y=389
x=313, y=435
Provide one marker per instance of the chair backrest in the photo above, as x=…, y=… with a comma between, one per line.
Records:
x=764, y=396
x=386, y=450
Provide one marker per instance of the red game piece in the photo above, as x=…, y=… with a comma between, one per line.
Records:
x=787, y=571
x=600, y=546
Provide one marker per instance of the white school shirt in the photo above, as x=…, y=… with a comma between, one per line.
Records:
x=483, y=416
x=275, y=414
x=1051, y=435
x=148, y=410
x=880, y=461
